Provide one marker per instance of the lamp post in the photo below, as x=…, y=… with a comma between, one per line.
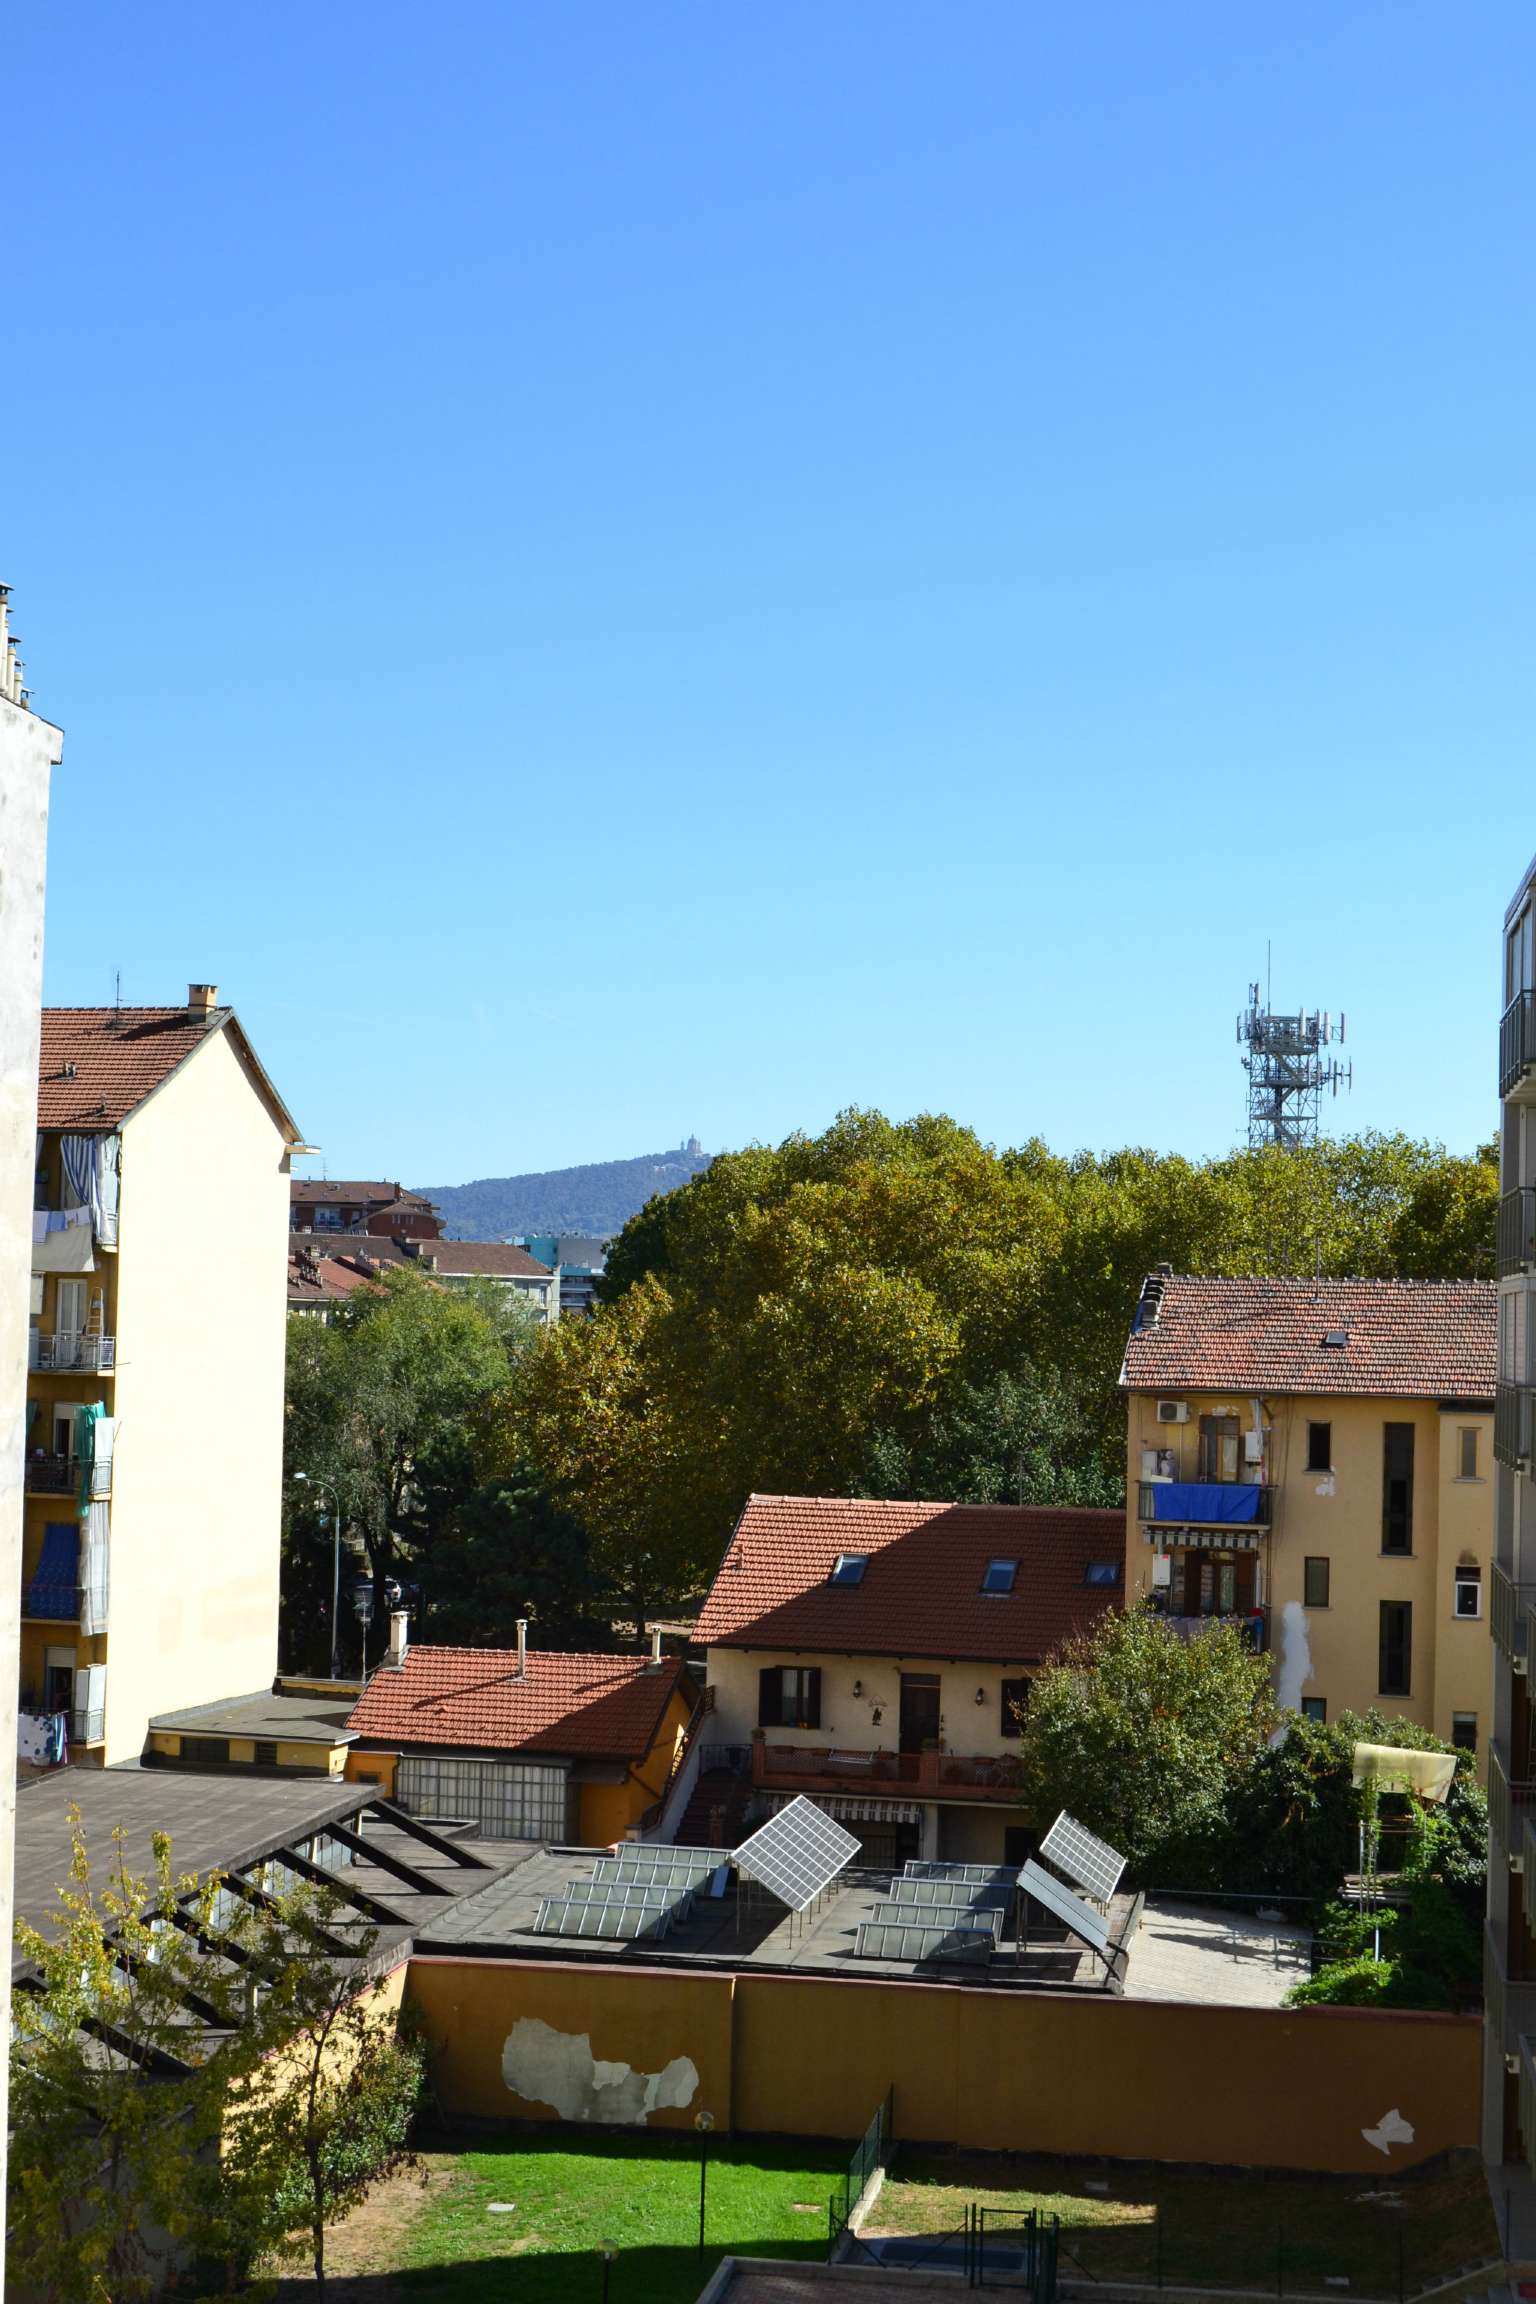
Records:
x=362, y=1601
x=607, y=2255
x=322, y=1489
x=703, y=2121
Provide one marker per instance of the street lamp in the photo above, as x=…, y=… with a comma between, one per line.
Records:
x=322, y=1489
x=362, y=1601
x=703, y=2121
x=607, y=2255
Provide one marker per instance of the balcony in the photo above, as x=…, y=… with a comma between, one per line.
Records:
x=69, y=1350
x=1512, y=1424
x=87, y=1727
x=1517, y=1049
x=1509, y=2000
x=1517, y=1232
x=64, y=1475
x=1204, y=1503
x=910, y=1775
x=1253, y=1623
x=1511, y=1806
x=1509, y=1606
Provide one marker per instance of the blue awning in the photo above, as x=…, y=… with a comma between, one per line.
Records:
x=1212, y=1503
x=55, y=1590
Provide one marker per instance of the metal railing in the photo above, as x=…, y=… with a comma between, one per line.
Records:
x=1517, y=1040
x=86, y=1727
x=1253, y=1623
x=1512, y=1424
x=928, y=1775
x=1517, y=1231
x=1148, y=1492
x=49, y=1475
x=69, y=1348
x=871, y=2153
x=1510, y=1800
x=1508, y=1604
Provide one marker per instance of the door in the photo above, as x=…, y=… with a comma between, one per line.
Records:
x=69, y=1310
x=1220, y=1448
x=58, y=1679
x=919, y=1710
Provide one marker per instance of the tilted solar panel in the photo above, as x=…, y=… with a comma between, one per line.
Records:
x=969, y=1895
x=1082, y=1920
x=1092, y=1863
x=877, y=1940
x=661, y=1896
x=623, y=1923
x=933, y=1868
x=984, y=1917
x=796, y=1853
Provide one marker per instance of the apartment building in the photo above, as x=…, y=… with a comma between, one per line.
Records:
x=316, y=1204
x=877, y=1658
x=153, y=1441
x=1509, y=1966
x=1312, y=1459
x=345, y=1263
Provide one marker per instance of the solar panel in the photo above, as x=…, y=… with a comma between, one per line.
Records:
x=985, y=1917
x=797, y=1853
x=1093, y=1864
x=877, y=1940
x=661, y=1897
x=1082, y=1920
x=932, y=1868
x=690, y=1867
x=969, y=1894
x=622, y=1922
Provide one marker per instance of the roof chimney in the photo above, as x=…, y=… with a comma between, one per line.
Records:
x=522, y=1648
x=399, y=1636
x=202, y=999
x=655, y=1643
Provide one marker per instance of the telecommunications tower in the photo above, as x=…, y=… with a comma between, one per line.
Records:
x=1288, y=1066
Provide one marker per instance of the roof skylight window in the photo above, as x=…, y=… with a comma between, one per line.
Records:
x=999, y=1576
x=1336, y=1339
x=848, y=1568
x=1102, y=1572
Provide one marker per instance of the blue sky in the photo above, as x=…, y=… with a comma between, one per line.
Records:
x=636, y=569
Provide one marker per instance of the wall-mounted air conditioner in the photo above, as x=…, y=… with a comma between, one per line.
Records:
x=1173, y=1411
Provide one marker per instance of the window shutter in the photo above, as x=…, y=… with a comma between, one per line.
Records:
x=812, y=1685
x=770, y=1691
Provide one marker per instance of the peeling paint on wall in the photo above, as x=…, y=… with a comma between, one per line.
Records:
x=1293, y=1660
x=558, y=2068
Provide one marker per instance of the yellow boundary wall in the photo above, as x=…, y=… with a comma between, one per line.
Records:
x=993, y=2071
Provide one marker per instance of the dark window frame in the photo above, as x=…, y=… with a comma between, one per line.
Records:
x=1464, y=1731
x=789, y=1696
x=206, y=1751
x=1311, y=1561
x=1315, y=1708
x=1397, y=1490
x=1102, y=1572
x=998, y=1589
x=1394, y=1646
x=1316, y=1463
x=1012, y=1693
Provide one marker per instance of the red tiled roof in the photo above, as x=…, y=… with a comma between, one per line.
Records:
x=118, y=1055
x=324, y=1279
x=921, y=1592
x=472, y=1698
x=324, y=1191
x=1407, y=1339
x=499, y=1259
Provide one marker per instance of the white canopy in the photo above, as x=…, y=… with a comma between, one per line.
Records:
x=1397, y=1769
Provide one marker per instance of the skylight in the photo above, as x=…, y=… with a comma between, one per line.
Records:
x=1336, y=1339
x=1102, y=1572
x=848, y=1568
x=999, y=1576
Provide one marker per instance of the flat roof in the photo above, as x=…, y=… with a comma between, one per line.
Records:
x=268, y=1716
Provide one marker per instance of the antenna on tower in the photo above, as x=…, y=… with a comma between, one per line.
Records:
x=1289, y=1069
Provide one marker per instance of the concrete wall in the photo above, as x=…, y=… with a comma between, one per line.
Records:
x=1014, y=2071
x=1333, y=1652
x=198, y=1466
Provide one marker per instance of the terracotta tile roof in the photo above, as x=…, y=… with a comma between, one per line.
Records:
x=325, y=1191
x=1407, y=1339
x=323, y=1279
x=497, y=1258
x=920, y=1594
x=118, y=1055
x=471, y=1698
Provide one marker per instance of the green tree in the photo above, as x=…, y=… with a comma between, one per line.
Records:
x=1143, y=1735
x=1013, y=1439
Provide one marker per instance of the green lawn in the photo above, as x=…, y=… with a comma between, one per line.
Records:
x=1219, y=2229
x=574, y=2195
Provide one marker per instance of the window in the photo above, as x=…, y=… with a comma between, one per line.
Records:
x=1336, y=1340
x=789, y=1696
x=848, y=1568
x=1319, y=1447
x=1314, y=1581
x=266, y=1755
x=1220, y=1445
x=1315, y=1708
x=1464, y=1731
x=1102, y=1572
x=1014, y=1698
x=1469, y=1590
x=1397, y=1488
x=999, y=1576
x=207, y=1751
x=1394, y=1666
x=1467, y=1439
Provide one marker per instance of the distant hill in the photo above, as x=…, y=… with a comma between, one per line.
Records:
x=598, y=1198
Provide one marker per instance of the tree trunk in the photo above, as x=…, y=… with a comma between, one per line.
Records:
x=317, y=2218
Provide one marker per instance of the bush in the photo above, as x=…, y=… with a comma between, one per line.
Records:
x=1358, y=1983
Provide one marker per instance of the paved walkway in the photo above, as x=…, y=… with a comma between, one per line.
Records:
x=1223, y=1959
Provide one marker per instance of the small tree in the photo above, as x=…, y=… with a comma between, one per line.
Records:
x=1143, y=1734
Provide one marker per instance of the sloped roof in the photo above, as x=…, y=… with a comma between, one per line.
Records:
x=497, y=1259
x=1405, y=1339
x=324, y=1191
x=96, y=1065
x=324, y=1279
x=920, y=1594
x=565, y=1705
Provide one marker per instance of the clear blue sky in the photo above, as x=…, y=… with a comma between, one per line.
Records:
x=629, y=569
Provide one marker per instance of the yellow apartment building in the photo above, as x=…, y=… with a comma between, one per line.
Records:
x=1313, y=1459
x=153, y=1445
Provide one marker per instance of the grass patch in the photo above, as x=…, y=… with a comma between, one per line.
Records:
x=1243, y=2231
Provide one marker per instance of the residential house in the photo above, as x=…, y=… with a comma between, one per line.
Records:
x=1313, y=1459
x=318, y=1286
x=529, y=1744
x=154, y=1410
x=452, y=1263
x=877, y=1657
x=317, y=1204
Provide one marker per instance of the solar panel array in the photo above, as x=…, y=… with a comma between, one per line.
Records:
x=881, y=1940
x=692, y=1867
x=944, y=1916
x=968, y=1894
x=796, y=1853
x=1083, y=1921
x=933, y=1868
x=622, y=1922
x=660, y=1896
x=1092, y=1863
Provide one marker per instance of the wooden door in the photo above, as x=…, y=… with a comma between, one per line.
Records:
x=919, y=1710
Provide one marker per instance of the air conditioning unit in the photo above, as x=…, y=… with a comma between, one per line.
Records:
x=1173, y=1411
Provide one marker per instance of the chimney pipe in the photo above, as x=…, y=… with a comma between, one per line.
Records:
x=522, y=1647
x=202, y=999
x=655, y=1643
x=399, y=1636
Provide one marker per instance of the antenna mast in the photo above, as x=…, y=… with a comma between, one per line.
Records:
x=1289, y=1069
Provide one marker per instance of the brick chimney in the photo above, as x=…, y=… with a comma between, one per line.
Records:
x=202, y=999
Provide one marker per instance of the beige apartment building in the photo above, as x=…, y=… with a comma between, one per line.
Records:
x=153, y=1444
x=1313, y=1459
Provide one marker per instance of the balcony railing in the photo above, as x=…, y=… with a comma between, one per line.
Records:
x=1253, y=1623
x=1517, y=1041
x=1509, y=2000
x=1517, y=1231
x=919, y=1775
x=69, y=1350
x=48, y=1475
x=1204, y=1503
x=1508, y=1615
x=1512, y=1424
x=1510, y=1802
x=87, y=1727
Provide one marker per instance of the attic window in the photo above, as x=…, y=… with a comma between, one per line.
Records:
x=1102, y=1572
x=999, y=1576
x=1336, y=1339
x=848, y=1568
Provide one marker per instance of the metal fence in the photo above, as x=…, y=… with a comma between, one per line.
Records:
x=872, y=2152
x=1367, y=2253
